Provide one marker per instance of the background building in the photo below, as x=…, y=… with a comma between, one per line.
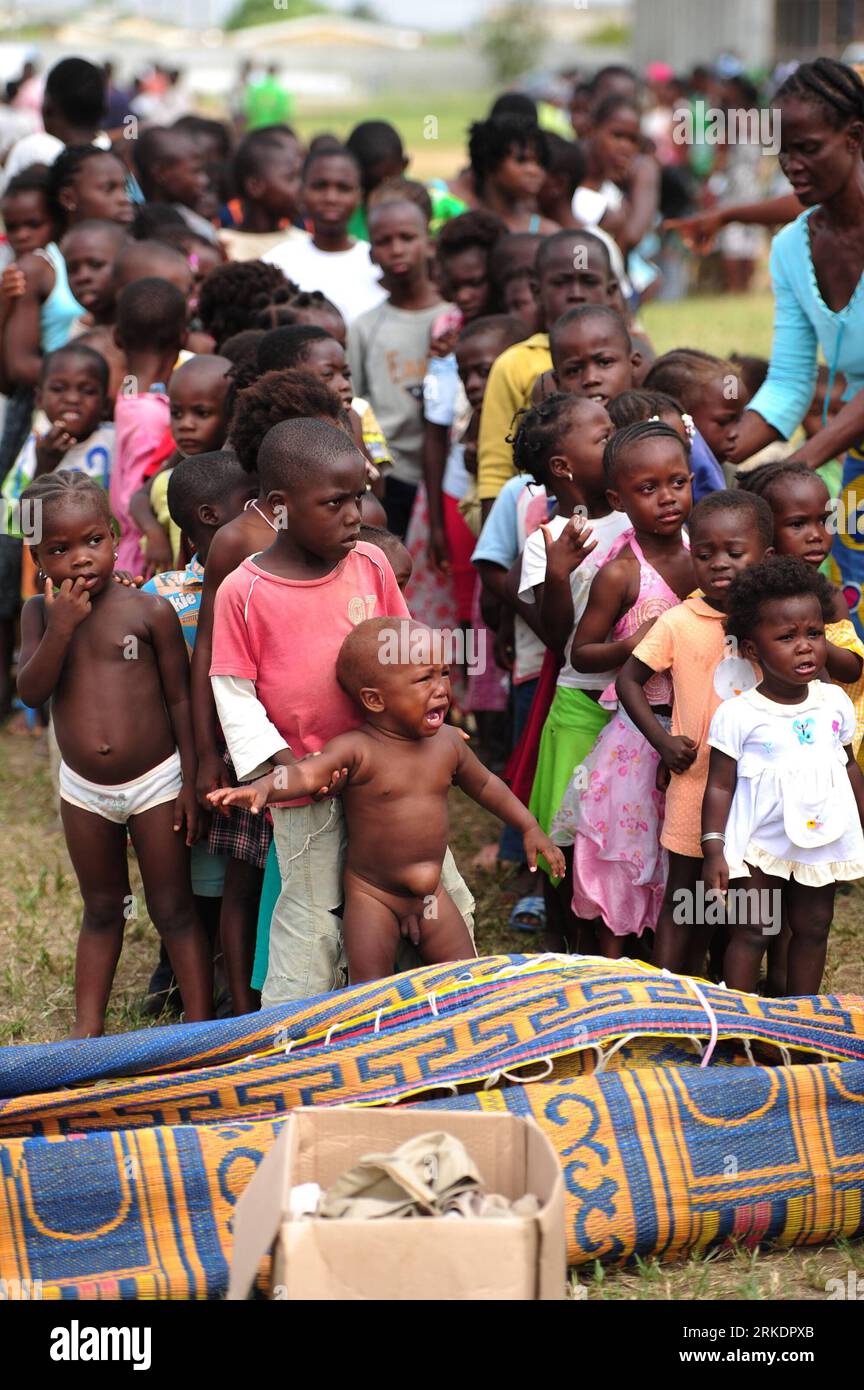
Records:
x=759, y=32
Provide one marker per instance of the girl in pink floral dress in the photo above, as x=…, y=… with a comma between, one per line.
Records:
x=613, y=811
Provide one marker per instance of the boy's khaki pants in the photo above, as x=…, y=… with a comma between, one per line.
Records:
x=306, y=955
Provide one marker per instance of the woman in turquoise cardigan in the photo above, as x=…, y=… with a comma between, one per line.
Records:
x=817, y=271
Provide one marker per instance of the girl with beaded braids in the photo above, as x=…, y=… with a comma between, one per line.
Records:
x=561, y=443
x=614, y=820
x=817, y=269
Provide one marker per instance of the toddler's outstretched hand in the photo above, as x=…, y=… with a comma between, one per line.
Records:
x=536, y=841
x=252, y=797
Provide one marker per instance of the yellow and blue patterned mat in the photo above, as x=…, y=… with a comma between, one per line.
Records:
x=121, y=1158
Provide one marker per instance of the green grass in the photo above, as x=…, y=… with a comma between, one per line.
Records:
x=433, y=125
x=715, y=323
x=610, y=35
x=251, y=12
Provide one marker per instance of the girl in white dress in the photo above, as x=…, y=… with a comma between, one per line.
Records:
x=784, y=802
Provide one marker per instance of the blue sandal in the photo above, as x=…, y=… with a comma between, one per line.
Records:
x=529, y=914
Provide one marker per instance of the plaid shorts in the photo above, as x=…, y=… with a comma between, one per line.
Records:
x=241, y=835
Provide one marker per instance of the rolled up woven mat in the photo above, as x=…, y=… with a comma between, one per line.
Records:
x=658, y=1161
x=121, y=1158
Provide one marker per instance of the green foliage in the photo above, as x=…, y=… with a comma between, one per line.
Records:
x=513, y=41
x=250, y=12
x=718, y=323
x=609, y=35
x=408, y=112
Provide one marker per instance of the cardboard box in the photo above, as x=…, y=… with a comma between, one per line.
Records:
x=426, y=1258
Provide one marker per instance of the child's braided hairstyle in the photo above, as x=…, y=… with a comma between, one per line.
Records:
x=624, y=440
x=632, y=406
x=69, y=487
x=683, y=371
x=278, y=311
x=537, y=432
x=764, y=479
x=62, y=173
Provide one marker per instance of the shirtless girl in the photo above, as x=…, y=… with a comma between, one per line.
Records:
x=113, y=663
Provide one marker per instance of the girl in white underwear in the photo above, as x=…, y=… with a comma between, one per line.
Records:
x=113, y=663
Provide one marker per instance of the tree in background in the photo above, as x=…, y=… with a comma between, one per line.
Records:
x=249, y=12
x=513, y=41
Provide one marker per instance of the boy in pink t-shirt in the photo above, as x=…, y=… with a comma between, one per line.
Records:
x=279, y=622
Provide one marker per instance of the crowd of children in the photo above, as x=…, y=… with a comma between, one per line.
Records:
x=312, y=476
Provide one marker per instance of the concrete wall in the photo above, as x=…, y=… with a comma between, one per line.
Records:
x=684, y=32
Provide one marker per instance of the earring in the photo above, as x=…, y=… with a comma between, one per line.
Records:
x=116, y=553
